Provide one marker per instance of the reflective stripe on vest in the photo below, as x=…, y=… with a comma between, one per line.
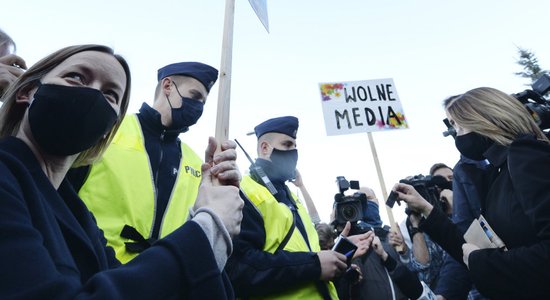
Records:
x=120, y=189
x=278, y=220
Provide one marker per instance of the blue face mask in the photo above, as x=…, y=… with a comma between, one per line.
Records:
x=187, y=115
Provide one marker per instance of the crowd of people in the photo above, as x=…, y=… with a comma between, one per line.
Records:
x=100, y=204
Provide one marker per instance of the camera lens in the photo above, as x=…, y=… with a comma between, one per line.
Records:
x=349, y=212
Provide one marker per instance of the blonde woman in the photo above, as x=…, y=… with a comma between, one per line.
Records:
x=495, y=126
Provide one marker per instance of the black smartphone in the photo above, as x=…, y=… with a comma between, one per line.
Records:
x=392, y=198
x=346, y=247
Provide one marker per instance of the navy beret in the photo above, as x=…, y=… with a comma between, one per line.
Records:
x=204, y=73
x=286, y=125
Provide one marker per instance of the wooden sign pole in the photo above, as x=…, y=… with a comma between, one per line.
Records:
x=222, y=118
x=383, y=187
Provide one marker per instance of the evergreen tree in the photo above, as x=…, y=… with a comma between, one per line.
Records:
x=530, y=64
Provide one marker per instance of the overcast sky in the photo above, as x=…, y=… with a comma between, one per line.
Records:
x=431, y=50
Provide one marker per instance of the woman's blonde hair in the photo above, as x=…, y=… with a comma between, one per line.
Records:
x=11, y=112
x=492, y=113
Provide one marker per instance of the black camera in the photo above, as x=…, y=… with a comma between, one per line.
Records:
x=349, y=208
x=429, y=188
x=536, y=104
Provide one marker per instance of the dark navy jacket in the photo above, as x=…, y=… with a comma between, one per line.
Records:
x=255, y=272
x=51, y=248
x=469, y=187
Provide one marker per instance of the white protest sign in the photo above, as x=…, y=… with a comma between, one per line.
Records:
x=361, y=106
x=260, y=7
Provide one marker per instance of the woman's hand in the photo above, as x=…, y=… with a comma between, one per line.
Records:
x=414, y=201
x=223, y=200
x=223, y=164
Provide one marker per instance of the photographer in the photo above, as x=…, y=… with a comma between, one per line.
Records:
x=493, y=125
x=425, y=257
x=442, y=171
x=376, y=283
x=346, y=285
x=411, y=286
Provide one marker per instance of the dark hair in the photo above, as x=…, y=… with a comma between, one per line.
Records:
x=11, y=112
x=438, y=166
x=326, y=234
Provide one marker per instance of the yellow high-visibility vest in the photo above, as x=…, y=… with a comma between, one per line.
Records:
x=278, y=220
x=120, y=189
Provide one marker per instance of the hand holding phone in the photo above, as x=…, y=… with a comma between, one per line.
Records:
x=346, y=247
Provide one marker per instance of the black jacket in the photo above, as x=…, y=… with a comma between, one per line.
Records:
x=469, y=187
x=517, y=207
x=51, y=248
x=377, y=283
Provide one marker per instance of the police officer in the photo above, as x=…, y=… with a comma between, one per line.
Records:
x=277, y=254
x=147, y=180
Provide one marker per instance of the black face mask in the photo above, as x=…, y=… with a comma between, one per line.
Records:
x=67, y=120
x=284, y=164
x=473, y=145
x=187, y=115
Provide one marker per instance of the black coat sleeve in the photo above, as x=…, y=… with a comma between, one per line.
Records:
x=446, y=234
x=522, y=272
x=454, y=281
x=256, y=272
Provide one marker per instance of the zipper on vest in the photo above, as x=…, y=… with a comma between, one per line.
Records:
x=155, y=232
x=171, y=195
x=160, y=162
